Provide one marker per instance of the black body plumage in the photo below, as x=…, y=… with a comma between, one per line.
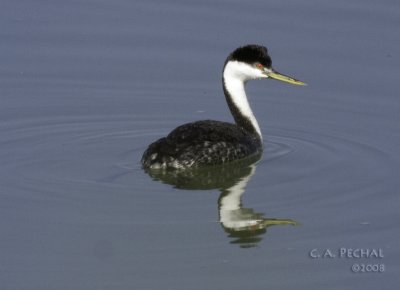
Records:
x=204, y=143
x=201, y=143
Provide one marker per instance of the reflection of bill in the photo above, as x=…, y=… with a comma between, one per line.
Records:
x=242, y=224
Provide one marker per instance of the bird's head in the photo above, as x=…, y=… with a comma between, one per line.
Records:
x=253, y=62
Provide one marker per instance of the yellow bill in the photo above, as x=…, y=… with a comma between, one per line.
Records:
x=281, y=77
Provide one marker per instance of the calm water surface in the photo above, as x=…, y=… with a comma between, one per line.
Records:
x=85, y=86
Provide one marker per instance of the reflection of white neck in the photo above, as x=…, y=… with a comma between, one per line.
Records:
x=230, y=203
x=235, y=76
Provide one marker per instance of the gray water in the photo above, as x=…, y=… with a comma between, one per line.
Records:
x=85, y=86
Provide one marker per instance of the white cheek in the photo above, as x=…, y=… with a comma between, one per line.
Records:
x=243, y=71
x=260, y=74
x=254, y=73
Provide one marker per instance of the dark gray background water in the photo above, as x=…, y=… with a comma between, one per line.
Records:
x=86, y=85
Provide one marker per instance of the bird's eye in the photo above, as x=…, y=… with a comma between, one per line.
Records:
x=259, y=65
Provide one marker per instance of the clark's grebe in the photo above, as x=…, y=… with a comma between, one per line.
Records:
x=210, y=142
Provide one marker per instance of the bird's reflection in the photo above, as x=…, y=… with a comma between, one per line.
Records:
x=243, y=225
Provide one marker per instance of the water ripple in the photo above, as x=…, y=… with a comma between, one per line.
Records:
x=75, y=150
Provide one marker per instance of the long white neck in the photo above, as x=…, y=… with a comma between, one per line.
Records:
x=234, y=80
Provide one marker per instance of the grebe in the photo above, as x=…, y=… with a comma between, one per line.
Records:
x=208, y=142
